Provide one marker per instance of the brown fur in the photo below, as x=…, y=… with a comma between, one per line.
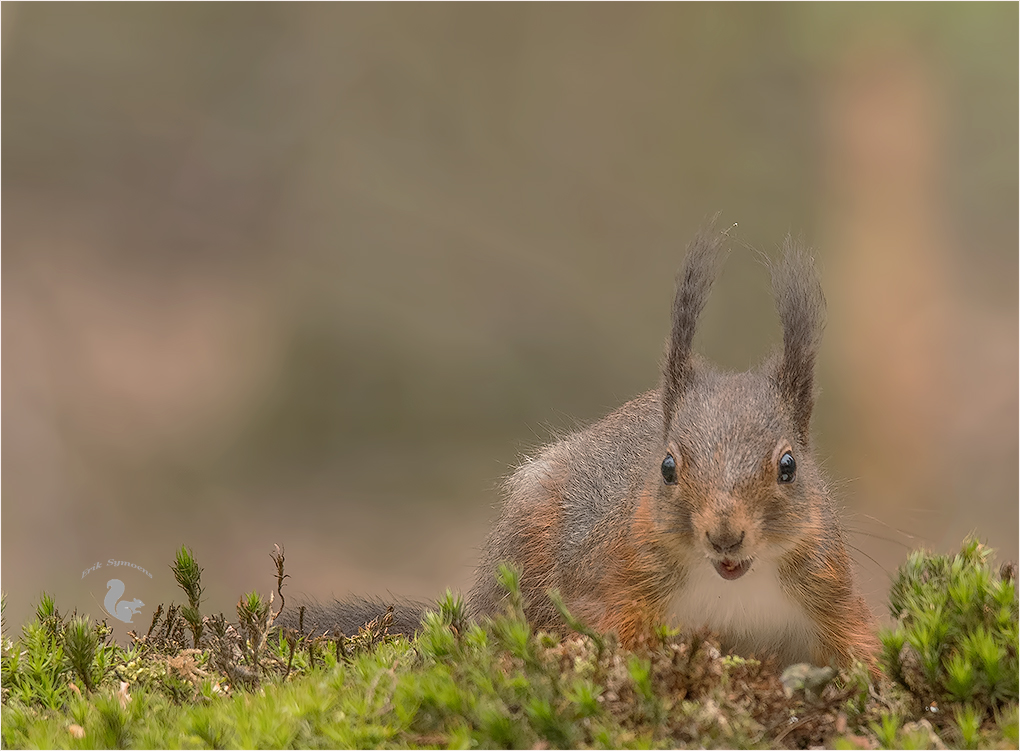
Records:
x=632, y=590
x=592, y=516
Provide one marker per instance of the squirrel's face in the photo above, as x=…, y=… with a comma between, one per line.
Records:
x=735, y=481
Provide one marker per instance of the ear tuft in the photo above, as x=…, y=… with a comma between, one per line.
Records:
x=694, y=282
x=801, y=306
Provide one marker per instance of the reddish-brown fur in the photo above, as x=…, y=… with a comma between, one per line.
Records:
x=632, y=601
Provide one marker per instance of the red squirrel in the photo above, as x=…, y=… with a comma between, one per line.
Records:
x=698, y=504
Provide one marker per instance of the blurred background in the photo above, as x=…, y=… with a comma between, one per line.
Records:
x=318, y=275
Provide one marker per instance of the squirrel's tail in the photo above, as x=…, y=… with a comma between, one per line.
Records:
x=348, y=616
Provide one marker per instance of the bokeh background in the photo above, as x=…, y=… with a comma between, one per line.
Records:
x=317, y=275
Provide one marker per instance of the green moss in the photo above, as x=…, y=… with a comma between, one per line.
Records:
x=950, y=658
x=887, y=729
x=955, y=641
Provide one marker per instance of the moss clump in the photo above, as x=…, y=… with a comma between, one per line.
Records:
x=955, y=638
x=501, y=684
x=55, y=655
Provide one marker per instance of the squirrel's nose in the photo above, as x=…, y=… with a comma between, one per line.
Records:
x=726, y=542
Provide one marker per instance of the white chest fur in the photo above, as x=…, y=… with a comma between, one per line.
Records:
x=752, y=614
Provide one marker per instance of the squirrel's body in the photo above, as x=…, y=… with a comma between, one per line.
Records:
x=726, y=545
x=571, y=521
x=696, y=505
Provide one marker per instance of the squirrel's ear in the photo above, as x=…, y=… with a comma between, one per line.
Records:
x=694, y=281
x=801, y=306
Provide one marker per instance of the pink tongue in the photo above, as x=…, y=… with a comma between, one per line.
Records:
x=731, y=569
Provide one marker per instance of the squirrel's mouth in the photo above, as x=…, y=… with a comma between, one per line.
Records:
x=728, y=568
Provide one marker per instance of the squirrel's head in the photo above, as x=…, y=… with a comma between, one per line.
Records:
x=737, y=477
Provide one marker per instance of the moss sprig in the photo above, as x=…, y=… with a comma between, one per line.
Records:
x=955, y=637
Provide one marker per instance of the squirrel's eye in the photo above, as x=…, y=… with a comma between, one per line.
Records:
x=669, y=470
x=787, y=467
